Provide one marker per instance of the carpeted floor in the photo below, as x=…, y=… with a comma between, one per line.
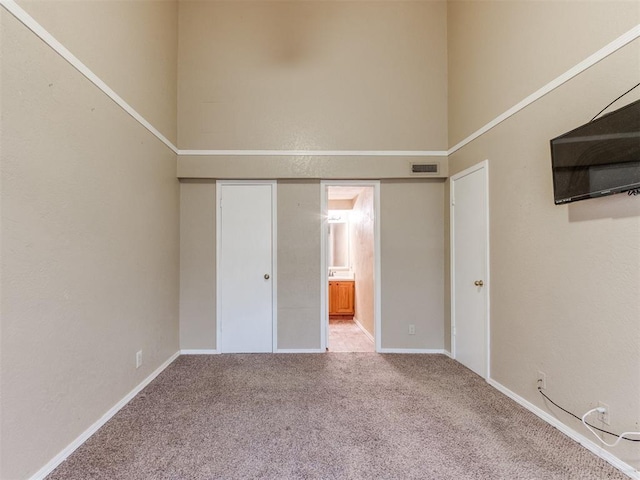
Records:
x=326, y=416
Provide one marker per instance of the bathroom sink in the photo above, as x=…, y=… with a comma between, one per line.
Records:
x=342, y=276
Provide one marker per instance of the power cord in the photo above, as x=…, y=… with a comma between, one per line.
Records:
x=593, y=427
x=622, y=436
x=597, y=114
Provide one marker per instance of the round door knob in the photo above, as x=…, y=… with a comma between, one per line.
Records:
x=266, y=276
x=478, y=283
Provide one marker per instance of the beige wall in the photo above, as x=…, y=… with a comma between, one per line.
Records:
x=89, y=252
x=198, y=265
x=298, y=276
x=564, y=279
x=132, y=45
x=312, y=75
x=340, y=204
x=362, y=241
x=512, y=49
x=90, y=201
x=308, y=166
x=299, y=264
x=500, y=52
x=412, y=264
x=412, y=256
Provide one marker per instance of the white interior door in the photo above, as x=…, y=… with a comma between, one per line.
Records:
x=245, y=268
x=469, y=232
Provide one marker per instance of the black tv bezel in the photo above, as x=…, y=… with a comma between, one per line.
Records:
x=597, y=193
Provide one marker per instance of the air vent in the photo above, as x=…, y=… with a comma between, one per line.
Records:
x=424, y=168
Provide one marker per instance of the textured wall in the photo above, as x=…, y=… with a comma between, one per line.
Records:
x=89, y=238
x=332, y=167
x=132, y=45
x=412, y=251
x=500, y=52
x=412, y=264
x=363, y=257
x=312, y=75
x=198, y=265
x=299, y=224
x=565, y=280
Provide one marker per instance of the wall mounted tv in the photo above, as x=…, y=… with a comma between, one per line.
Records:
x=599, y=158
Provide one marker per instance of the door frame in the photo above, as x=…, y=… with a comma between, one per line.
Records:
x=484, y=165
x=324, y=268
x=274, y=255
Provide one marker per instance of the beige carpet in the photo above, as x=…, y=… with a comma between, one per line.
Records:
x=326, y=416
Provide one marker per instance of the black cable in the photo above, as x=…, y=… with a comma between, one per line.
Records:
x=636, y=85
x=592, y=426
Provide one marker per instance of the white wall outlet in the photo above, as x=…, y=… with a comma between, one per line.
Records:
x=412, y=329
x=542, y=380
x=604, y=416
x=138, y=358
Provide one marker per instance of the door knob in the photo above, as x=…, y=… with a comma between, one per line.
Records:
x=478, y=283
x=266, y=276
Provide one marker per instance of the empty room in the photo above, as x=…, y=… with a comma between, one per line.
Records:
x=197, y=195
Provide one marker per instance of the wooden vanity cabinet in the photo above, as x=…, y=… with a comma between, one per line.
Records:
x=341, y=299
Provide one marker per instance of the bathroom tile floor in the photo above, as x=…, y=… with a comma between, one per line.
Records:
x=346, y=336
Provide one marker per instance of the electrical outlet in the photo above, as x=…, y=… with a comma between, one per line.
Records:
x=542, y=380
x=139, y=359
x=604, y=416
x=412, y=329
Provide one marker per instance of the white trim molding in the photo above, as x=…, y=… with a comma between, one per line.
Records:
x=484, y=165
x=316, y=153
x=324, y=267
x=428, y=351
x=200, y=351
x=364, y=330
x=84, y=436
x=569, y=432
x=588, y=62
x=299, y=350
x=28, y=21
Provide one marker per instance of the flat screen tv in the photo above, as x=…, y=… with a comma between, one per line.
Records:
x=599, y=158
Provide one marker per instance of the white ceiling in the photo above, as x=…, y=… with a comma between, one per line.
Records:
x=344, y=193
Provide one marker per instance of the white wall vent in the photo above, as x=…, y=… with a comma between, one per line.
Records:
x=425, y=168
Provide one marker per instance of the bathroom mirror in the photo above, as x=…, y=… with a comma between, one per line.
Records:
x=338, y=240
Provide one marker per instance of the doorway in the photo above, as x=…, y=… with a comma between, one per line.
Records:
x=246, y=266
x=350, y=273
x=470, y=269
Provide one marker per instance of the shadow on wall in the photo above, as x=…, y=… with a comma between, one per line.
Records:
x=620, y=205
x=291, y=40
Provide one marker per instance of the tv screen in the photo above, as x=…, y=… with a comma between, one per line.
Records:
x=599, y=158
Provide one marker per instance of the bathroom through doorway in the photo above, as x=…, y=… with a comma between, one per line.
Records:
x=350, y=241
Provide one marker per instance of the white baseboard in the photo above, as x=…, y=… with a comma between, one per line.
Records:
x=429, y=351
x=364, y=330
x=447, y=353
x=569, y=432
x=300, y=350
x=201, y=351
x=279, y=350
x=62, y=456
